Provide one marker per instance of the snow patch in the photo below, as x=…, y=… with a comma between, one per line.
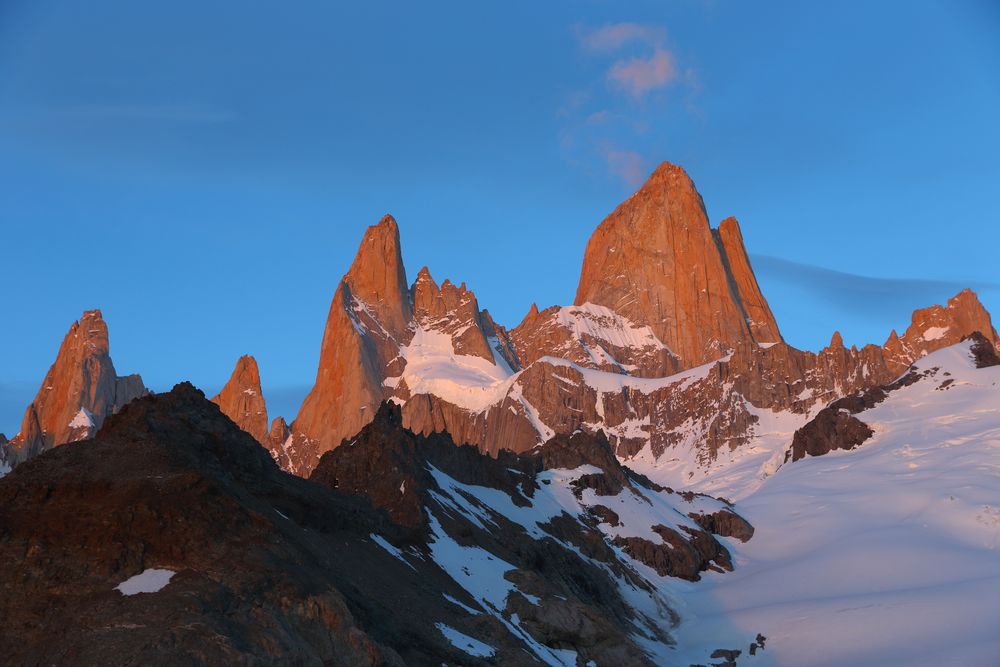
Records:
x=83, y=419
x=465, y=643
x=935, y=333
x=147, y=581
x=458, y=603
x=468, y=381
x=394, y=551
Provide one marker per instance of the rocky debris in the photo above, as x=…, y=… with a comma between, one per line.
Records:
x=243, y=401
x=724, y=522
x=656, y=261
x=832, y=428
x=605, y=515
x=984, y=353
x=679, y=555
x=728, y=657
x=80, y=390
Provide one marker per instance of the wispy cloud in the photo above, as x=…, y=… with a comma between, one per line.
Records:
x=614, y=36
x=609, y=121
x=638, y=76
x=627, y=165
x=858, y=294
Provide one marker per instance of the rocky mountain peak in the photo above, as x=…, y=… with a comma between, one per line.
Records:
x=453, y=310
x=940, y=326
x=79, y=391
x=759, y=317
x=377, y=276
x=656, y=261
x=243, y=401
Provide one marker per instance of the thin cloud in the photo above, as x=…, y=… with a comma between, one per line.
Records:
x=611, y=120
x=626, y=165
x=638, y=76
x=599, y=117
x=614, y=36
x=858, y=294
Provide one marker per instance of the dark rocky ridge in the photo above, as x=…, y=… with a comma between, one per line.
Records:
x=273, y=568
x=388, y=464
x=170, y=482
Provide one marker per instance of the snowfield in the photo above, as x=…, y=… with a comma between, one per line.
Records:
x=885, y=555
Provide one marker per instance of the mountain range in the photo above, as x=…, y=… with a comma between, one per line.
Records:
x=544, y=494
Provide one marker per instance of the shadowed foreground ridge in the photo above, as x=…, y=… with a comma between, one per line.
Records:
x=268, y=566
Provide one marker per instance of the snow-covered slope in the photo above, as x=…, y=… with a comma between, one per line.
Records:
x=561, y=548
x=885, y=555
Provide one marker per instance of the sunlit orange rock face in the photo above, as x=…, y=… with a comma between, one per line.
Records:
x=660, y=293
x=243, y=401
x=670, y=347
x=656, y=261
x=940, y=326
x=366, y=324
x=80, y=390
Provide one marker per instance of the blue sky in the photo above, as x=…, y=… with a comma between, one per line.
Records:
x=203, y=171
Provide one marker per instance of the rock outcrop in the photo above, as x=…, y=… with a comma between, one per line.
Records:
x=656, y=261
x=937, y=327
x=243, y=401
x=78, y=393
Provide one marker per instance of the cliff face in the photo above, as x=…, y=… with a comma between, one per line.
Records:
x=79, y=391
x=656, y=261
x=367, y=323
x=937, y=327
x=243, y=401
x=384, y=339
